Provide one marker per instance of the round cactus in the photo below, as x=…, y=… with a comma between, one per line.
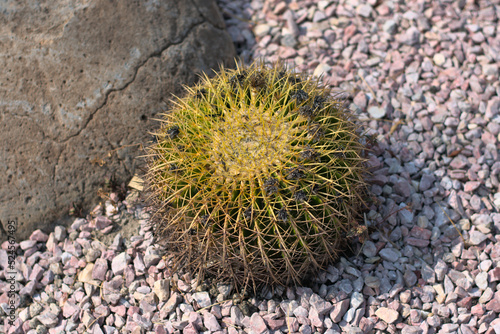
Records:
x=257, y=175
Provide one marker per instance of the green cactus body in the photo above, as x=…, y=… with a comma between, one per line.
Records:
x=257, y=176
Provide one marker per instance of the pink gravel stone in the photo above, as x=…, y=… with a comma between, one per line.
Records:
x=26, y=244
x=478, y=310
x=387, y=315
x=121, y=310
x=292, y=324
x=69, y=309
x=39, y=236
x=417, y=242
x=273, y=323
x=190, y=329
x=471, y=186
x=257, y=324
x=339, y=310
x=459, y=162
x=494, y=304
x=210, y=322
x=420, y=233
x=494, y=274
x=195, y=320
x=119, y=263
x=37, y=273
x=101, y=222
x=100, y=269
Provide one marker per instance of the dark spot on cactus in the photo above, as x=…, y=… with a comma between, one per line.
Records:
x=300, y=96
x=281, y=75
x=155, y=140
x=237, y=79
x=173, y=167
x=205, y=220
x=192, y=231
x=318, y=103
x=180, y=148
x=306, y=112
x=201, y=93
x=295, y=173
x=340, y=155
x=257, y=80
x=248, y=213
x=215, y=111
x=309, y=154
x=314, y=189
x=282, y=215
x=173, y=132
x=316, y=132
x=299, y=196
x=295, y=79
x=271, y=186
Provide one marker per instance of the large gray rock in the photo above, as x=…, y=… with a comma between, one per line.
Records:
x=83, y=78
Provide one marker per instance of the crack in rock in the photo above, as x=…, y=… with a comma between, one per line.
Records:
x=155, y=54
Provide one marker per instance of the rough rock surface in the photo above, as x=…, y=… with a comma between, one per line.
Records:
x=81, y=79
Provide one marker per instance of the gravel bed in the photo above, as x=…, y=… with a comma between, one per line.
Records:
x=424, y=76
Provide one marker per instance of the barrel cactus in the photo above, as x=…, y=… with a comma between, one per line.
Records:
x=256, y=176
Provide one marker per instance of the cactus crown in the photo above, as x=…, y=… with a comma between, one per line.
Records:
x=256, y=175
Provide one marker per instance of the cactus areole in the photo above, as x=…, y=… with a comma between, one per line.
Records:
x=256, y=176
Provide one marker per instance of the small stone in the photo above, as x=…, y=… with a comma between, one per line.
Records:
x=280, y=8
x=411, y=36
x=100, y=269
x=261, y=30
x=203, y=299
x=86, y=274
x=441, y=268
x=426, y=182
x=257, y=324
x=236, y=316
x=59, y=233
x=434, y=321
x=292, y=324
x=390, y=254
x=364, y=10
x=369, y=249
x=27, y=244
x=162, y=289
x=390, y=27
x=372, y=281
x=171, y=304
x=376, y=112
x=403, y=188
x=356, y=300
x=142, y=321
x=210, y=322
x=410, y=278
x=459, y=162
x=319, y=304
x=494, y=304
x=39, y=236
x=48, y=319
x=490, y=69
x=386, y=314
x=319, y=16
x=476, y=237
x=439, y=59
x=481, y=280
x=119, y=263
x=494, y=274
x=322, y=69
x=339, y=310
x=37, y=273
